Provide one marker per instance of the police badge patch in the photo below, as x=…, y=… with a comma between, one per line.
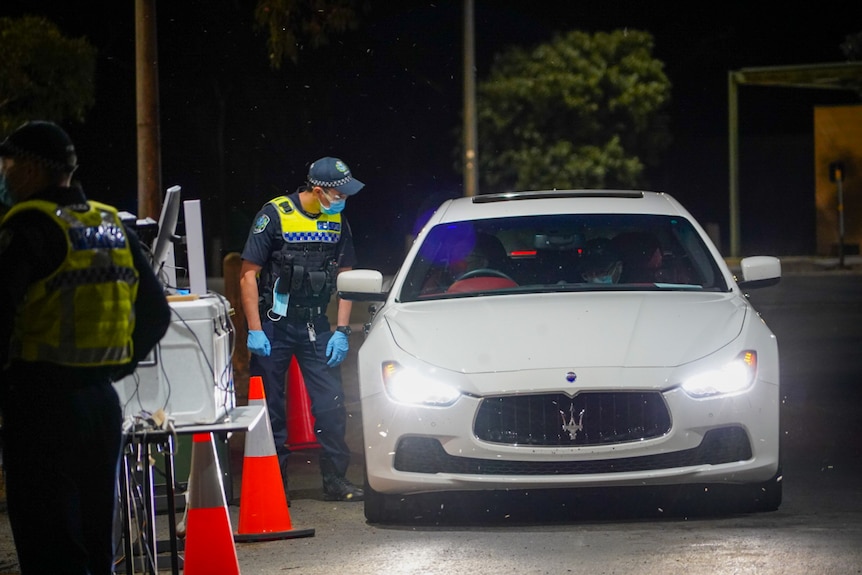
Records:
x=260, y=224
x=335, y=226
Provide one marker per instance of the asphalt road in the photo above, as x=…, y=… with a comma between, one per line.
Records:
x=817, y=318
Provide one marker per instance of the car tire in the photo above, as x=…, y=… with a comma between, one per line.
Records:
x=767, y=495
x=375, y=504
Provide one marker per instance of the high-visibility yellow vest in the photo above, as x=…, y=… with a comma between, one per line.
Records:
x=310, y=244
x=83, y=313
x=299, y=228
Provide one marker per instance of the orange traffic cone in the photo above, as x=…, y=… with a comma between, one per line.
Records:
x=300, y=422
x=263, y=512
x=209, y=546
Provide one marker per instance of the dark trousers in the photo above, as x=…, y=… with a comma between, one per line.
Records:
x=61, y=453
x=288, y=339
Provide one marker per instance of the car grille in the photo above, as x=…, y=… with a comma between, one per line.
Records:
x=426, y=455
x=588, y=418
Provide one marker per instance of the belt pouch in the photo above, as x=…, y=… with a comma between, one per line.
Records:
x=317, y=280
x=296, y=284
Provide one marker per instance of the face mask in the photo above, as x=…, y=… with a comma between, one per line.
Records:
x=335, y=207
x=601, y=280
x=607, y=275
x=279, y=300
x=5, y=196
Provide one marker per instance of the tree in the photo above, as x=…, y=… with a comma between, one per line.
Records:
x=42, y=73
x=580, y=111
x=290, y=24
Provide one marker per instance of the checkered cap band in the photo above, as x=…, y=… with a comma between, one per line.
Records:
x=27, y=154
x=335, y=184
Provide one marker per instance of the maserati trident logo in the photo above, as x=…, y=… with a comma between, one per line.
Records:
x=571, y=427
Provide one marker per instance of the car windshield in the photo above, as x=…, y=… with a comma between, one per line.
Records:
x=563, y=252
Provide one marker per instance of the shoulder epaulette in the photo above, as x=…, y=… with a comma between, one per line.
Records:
x=282, y=203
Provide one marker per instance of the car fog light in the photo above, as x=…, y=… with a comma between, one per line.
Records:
x=736, y=376
x=406, y=385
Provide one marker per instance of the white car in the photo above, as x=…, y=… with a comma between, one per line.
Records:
x=565, y=339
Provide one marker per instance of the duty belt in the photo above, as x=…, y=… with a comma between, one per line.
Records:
x=298, y=313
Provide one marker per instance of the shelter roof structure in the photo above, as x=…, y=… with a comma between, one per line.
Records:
x=826, y=76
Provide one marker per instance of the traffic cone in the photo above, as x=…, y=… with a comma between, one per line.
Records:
x=300, y=421
x=263, y=512
x=209, y=547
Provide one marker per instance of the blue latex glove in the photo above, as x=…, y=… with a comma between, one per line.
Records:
x=336, y=349
x=258, y=343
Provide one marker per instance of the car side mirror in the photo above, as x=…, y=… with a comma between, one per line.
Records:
x=759, y=271
x=361, y=285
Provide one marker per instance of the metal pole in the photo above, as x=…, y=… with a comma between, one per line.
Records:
x=733, y=168
x=471, y=180
x=840, y=183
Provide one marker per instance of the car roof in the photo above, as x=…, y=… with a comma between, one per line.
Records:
x=538, y=202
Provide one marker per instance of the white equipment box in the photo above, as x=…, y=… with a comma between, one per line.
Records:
x=189, y=375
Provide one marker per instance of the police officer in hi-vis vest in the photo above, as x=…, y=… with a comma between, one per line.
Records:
x=296, y=247
x=79, y=307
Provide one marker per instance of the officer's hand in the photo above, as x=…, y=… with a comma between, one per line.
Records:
x=336, y=349
x=258, y=343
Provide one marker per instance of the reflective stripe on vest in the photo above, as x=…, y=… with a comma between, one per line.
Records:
x=83, y=313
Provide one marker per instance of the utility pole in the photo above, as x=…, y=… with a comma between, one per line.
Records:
x=471, y=159
x=147, y=97
x=733, y=79
x=836, y=174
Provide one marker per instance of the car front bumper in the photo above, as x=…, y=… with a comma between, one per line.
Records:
x=729, y=439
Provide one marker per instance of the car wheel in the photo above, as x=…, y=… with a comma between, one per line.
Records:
x=375, y=504
x=767, y=495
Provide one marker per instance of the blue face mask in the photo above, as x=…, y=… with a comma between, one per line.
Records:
x=5, y=196
x=601, y=280
x=279, y=300
x=335, y=207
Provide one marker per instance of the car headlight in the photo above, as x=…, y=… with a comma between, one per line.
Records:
x=736, y=376
x=406, y=385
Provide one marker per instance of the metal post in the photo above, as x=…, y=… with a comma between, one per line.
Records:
x=127, y=503
x=840, y=183
x=170, y=479
x=149, y=490
x=733, y=168
x=471, y=159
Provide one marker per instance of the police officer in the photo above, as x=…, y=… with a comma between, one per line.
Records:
x=79, y=307
x=296, y=247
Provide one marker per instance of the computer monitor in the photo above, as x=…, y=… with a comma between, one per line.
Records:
x=163, y=253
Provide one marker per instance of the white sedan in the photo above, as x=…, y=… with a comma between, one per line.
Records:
x=564, y=339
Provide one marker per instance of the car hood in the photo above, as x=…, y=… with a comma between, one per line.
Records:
x=521, y=332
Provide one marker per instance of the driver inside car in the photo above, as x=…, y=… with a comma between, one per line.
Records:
x=466, y=252
x=484, y=268
x=481, y=251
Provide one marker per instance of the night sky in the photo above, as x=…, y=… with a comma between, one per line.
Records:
x=387, y=98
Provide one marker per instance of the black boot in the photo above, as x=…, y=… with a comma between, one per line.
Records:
x=339, y=488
